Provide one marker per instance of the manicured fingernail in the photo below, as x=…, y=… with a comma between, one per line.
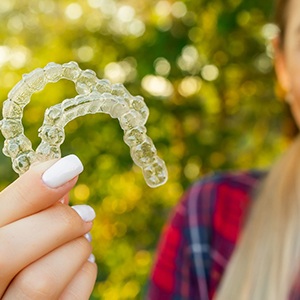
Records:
x=92, y=258
x=86, y=212
x=62, y=171
x=88, y=236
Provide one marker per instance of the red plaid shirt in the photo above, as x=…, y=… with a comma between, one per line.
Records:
x=200, y=237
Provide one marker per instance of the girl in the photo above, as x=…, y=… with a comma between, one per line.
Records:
x=236, y=236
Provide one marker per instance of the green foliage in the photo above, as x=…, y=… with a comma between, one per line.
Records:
x=205, y=70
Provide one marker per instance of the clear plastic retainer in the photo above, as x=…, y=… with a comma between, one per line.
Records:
x=94, y=96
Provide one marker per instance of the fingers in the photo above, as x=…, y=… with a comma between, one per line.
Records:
x=81, y=287
x=36, y=229
x=40, y=187
x=63, y=268
x=38, y=235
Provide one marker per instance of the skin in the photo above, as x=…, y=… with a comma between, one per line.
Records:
x=43, y=254
x=287, y=59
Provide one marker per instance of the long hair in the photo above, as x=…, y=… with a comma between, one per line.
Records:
x=266, y=261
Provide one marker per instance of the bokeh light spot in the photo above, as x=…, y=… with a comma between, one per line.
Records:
x=19, y=57
x=163, y=8
x=47, y=6
x=126, y=13
x=178, y=9
x=192, y=170
x=81, y=192
x=189, y=59
x=243, y=18
x=73, y=11
x=210, y=72
x=162, y=66
x=85, y=53
x=270, y=31
x=189, y=86
x=6, y=5
x=114, y=72
x=157, y=86
x=4, y=54
x=130, y=290
x=136, y=28
x=15, y=24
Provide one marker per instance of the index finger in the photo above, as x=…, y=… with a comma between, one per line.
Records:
x=40, y=187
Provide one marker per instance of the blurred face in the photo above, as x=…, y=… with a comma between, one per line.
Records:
x=287, y=59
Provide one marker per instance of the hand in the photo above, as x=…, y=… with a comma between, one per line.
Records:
x=43, y=251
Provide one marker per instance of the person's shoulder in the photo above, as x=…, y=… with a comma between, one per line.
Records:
x=218, y=183
x=216, y=197
x=221, y=195
x=237, y=179
x=228, y=195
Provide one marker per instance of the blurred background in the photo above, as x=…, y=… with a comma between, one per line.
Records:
x=205, y=70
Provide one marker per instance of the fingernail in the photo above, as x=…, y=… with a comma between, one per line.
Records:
x=92, y=258
x=62, y=171
x=86, y=212
x=88, y=236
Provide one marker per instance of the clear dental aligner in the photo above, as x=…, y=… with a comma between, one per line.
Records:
x=94, y=96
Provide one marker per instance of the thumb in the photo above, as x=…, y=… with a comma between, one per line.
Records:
x=41, y=186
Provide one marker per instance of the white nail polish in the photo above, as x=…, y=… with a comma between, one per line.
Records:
x=92, y=258
x=88, y=236
x=86, y=212
x=62, y=171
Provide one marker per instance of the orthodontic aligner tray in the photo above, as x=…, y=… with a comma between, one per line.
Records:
x=94, y=96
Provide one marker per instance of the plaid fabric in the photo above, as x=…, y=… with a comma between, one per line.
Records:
x=199, y=239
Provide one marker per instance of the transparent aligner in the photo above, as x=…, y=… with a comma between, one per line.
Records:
x=53, y=135
x=12, y=110
x=96, y=102
x=95, y=96
x=53, y=72
x=82, y=110
x=69, y=113
x=82, y=99
x=20, y=93
x=90, y=104
x=71, y=71
x=79, y=106
x=53, y=115
x=45, y=151
x=115, y=106
x=120, y=108
x=135, y=136
x=75, y=107
x=86, y=81
x=13, y=147
x=35, y=80
x=156, y=173
x=140, y=106
x=22, y=162
x=11, y=128
x=144, y=153
x=135, y=102
x=130, y=120
x=68, y=104
x=108, y=102
x=103, y=86
x=119, y=89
